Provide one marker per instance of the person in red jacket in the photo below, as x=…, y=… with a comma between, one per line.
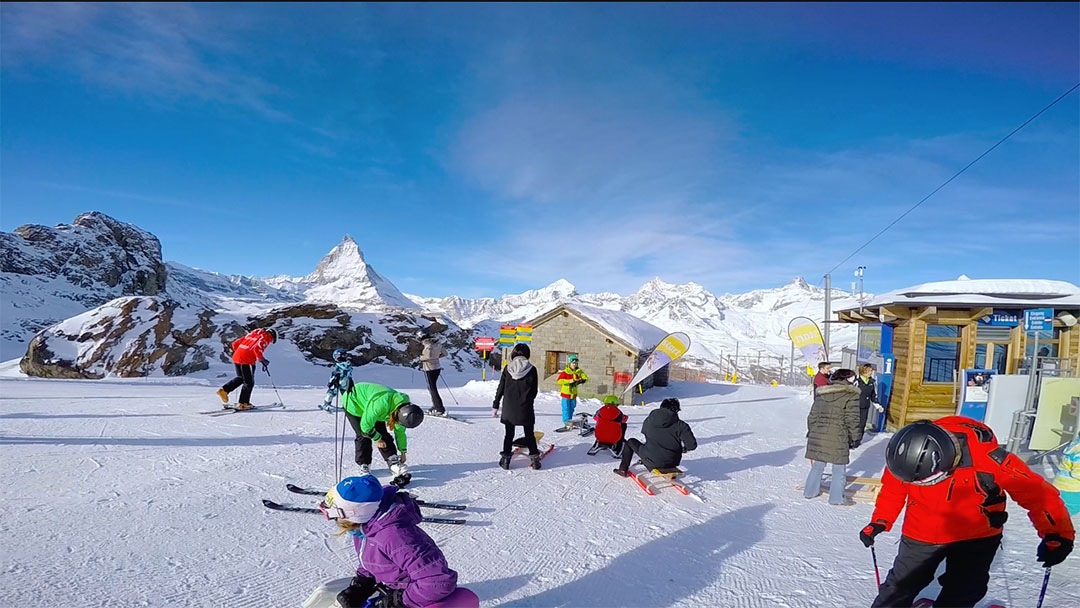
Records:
x=246, y=351
x=952, y=476
x=610, y=430
x=821, y=378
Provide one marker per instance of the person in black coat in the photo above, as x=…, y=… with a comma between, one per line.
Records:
x=518, y=386
x=666, y=439
x=867, y=392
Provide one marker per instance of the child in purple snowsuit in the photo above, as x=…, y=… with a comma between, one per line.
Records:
x=396, y=557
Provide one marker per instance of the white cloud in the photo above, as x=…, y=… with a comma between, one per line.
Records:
x=164, y=51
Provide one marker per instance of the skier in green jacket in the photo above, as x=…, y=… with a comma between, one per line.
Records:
x=375, y=410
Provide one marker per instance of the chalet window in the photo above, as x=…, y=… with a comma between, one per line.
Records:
x=555, y=361
x=942, y=355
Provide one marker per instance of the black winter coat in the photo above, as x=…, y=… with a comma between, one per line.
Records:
x=517, y=394
x=666, y=438
x=867, y=393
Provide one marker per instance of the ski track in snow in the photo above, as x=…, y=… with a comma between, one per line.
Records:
x=121, y=494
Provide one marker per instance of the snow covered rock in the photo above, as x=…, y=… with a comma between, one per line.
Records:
x=48, y=274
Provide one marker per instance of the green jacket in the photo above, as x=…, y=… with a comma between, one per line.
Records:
x=373, y=403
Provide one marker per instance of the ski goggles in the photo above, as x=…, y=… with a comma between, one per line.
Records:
x=331, y=513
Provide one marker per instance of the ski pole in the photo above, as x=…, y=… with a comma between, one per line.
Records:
x=1042, y=594
x=272, y=385
x=877, y=573
x=449, y=391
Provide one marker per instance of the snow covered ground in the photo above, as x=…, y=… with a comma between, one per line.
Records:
x=119, y=493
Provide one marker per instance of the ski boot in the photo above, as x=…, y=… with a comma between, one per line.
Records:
x=223, y=396
x=244, y=406
x=433, y=411
x=534, y=462
x=504, y=461
x=365, y=469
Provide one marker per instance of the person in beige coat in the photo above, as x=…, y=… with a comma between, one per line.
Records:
x=429, y=362
x=833, y=430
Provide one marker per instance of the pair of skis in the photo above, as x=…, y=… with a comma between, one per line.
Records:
x=230, y=408
x=269, y=504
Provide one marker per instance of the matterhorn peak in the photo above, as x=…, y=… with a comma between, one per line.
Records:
x=344, y=260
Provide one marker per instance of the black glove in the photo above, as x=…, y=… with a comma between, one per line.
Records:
x=266, y=365
x=357, y=593
x=1053, y=550
x=869, y=532
x=854, y=443
x=391, y=599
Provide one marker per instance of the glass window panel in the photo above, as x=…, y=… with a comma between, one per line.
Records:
x=941, y=360
x=998, y=334
x=942, y=331
x=980, y=356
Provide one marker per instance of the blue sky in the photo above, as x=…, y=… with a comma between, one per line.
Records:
x=481, y=150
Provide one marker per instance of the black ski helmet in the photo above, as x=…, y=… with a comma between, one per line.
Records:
x=273, y=335
x=340, y=355
x=409, y=415
x=922, y=453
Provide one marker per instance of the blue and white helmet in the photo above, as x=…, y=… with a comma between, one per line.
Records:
x=354, y=499
x=340, y=355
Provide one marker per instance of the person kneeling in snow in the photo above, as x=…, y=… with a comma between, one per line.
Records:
x=397, y=558
x=610, y=430
x=375, y=410
x=666, y=439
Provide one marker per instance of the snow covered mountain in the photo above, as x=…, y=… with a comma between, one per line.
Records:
x=48, y=274
x=180, y=319
x=342, y=277
x=468, y=312
x=750, y=323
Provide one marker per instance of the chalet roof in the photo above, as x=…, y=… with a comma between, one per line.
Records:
x=998, y=293
x=630, y=331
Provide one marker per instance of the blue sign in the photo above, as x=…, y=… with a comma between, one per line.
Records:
x=875, y=348
x=1039, y=319
x=974, y=393
x=1001, y=319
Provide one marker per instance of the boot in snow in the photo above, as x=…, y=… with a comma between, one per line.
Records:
x=504, y=461
x=621, y=472
x=243, y=406
x=365, y=469
x=534, y=461
x=223, y=396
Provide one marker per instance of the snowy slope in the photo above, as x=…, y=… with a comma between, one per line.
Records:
x=118, y=493
x=516, y=307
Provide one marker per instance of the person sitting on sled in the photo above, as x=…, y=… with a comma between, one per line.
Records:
x=610, y=429
x=666, y=439
x=373, y=410
x=340, y=378
x=397, y=558
x=952, y=477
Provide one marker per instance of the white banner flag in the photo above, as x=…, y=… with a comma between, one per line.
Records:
x=806, y=337
x=670, y=348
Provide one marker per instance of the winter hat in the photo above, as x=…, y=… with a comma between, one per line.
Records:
x=356, y=498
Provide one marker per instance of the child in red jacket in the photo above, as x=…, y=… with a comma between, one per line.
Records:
x=610, y=430
x=246, y=351
x=953, y=477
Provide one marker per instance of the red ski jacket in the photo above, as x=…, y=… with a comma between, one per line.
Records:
x=249, y=349
x=969, y=503
x=609, y=420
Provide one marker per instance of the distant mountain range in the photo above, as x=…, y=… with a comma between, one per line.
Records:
x=49, y=275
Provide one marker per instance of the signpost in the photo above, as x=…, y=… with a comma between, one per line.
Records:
x=484, y=345
x=1036, y=320
x=507, y=334
x=524, y=333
